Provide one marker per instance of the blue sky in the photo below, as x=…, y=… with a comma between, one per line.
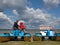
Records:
x=36, y=3
x=33, y=12
x=55, y=11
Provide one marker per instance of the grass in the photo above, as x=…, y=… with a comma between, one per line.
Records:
x=31, y=43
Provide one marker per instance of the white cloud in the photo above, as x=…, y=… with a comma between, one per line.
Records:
x=14, y=3
x=51, y=3
x=15, y=12
x=36, y=17
x=33, y=17
x=18, y=5
x=56, y=23
x=5, y=22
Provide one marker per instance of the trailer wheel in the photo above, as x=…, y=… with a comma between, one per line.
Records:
x=43, y=38
x=14, y=38
x=22, y=38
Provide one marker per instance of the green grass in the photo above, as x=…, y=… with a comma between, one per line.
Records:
x=31, y=43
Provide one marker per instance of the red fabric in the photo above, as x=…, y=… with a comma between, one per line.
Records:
x=22, y=26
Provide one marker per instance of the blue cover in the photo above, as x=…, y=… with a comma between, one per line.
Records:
x=4, y=34
x=21, y=33
x=38, y=34
x=27, y=35
x=57, y=34
x=50, y=33
x=15, y=33
x=45, y=31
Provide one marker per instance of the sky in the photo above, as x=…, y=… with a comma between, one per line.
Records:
x=34, y=13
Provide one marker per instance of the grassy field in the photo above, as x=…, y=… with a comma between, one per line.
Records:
x=31, y=43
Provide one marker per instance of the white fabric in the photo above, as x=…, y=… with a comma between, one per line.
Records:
x=20, y=22
x=43, y=33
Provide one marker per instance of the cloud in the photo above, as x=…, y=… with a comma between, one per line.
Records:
x=5, y=22
x=15, y=12
x=35, y=17
x=13, y=3
x=51, y=3
x=56, y=23
x=18, y=5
